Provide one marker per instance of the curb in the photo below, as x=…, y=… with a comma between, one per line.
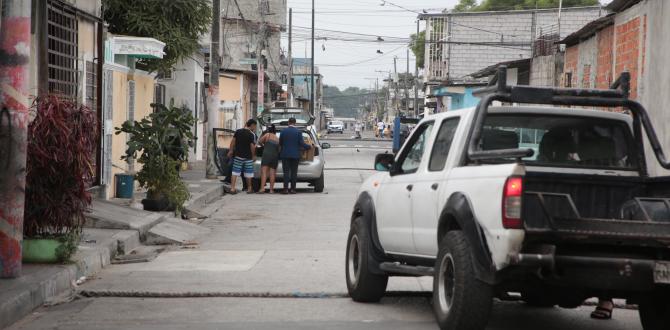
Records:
x=42, y=283
x=201, y=199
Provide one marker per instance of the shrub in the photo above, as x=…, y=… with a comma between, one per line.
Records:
x=61, y=149
x=162, y=141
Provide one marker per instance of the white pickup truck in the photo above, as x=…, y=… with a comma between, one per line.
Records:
x=554, y=204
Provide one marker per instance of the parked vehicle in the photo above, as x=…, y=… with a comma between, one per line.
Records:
x=335, y=127
x=309, y=171
x=552, y=203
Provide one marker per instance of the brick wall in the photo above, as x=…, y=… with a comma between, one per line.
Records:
x=571, y=61
x=605, y=53
x=627, y=51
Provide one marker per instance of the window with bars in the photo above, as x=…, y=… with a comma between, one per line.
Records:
x=91, y=86
x=159, y=94
x=62, y=49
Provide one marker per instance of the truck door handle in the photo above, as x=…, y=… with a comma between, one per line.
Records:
x=434, y=186
x=410, y=187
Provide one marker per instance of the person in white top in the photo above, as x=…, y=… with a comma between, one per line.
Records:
x=357, y=129
x=380, y=128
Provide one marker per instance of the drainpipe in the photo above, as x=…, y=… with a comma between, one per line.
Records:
x=14, y=104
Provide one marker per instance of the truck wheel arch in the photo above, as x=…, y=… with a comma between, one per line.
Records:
x=457, y=215
x=365, y=208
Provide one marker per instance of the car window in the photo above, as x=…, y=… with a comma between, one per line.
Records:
x=442, y=145
x=411, y=159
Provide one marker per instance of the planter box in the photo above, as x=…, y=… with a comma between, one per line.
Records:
x=41, y=250
x=157, y=205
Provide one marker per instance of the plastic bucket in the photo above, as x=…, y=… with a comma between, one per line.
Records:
x=124, y=186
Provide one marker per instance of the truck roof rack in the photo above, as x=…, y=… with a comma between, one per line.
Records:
x=616, y=96
x=617, y=93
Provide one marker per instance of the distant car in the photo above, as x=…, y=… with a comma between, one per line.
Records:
x=335, y=127
x=311, y=172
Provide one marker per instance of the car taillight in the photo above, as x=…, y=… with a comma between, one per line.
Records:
x=511, y=203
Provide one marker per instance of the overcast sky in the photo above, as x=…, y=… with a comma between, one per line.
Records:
x=340, y=61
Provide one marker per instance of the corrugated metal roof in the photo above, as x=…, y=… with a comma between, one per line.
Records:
x=588, y=30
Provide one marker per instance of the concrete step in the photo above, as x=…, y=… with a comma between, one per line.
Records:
x=105, y=215
x=174, y=231
x=38, y=284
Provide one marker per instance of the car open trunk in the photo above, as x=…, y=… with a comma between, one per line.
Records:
x=612, y=210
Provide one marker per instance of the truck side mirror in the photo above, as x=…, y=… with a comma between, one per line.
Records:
x=384, y=162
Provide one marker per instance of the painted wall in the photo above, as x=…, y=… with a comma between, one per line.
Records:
x=182, y=89
x=144, y=89
x=655, y=78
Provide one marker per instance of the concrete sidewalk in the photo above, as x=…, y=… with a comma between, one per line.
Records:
x=112, y=229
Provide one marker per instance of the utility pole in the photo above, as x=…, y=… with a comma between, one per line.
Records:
x=290, y=57
x=260, y=98
x=14, y=104
x=395, y=86
x=311, y=92
x=213, y=97
x=416, y=75
x=407, y=86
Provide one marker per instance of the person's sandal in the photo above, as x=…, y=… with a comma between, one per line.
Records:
x=233, y=192
x=602, y=313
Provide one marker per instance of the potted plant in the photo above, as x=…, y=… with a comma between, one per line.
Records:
x=59, y=171
x=162, y=142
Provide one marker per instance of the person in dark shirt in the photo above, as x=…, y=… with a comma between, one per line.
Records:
x=291, y=143
x=243, y=149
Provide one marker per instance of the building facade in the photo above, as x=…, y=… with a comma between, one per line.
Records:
x=633, y=38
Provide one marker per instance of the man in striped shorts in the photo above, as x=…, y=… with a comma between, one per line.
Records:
x=243, y=148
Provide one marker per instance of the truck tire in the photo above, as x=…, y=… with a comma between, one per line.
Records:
x=655, y=312
x=363, y=286
x=460, y=301
x=319, y=184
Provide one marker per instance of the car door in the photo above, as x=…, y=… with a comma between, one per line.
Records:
x=426, y=198
x=394, y=200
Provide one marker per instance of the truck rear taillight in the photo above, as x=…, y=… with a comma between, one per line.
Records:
x=511, y=203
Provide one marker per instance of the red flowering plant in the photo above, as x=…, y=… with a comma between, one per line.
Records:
x=61, y=149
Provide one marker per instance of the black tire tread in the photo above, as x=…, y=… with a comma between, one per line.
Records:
x=370, y=287
x=473, y=299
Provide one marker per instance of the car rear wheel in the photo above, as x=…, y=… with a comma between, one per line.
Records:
x=256, y=184
x=363, y=285
x=655, y=311
x=460, y=300
x=319, y=184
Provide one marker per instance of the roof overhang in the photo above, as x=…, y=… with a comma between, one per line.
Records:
x=621, y=5
x=138, y=47
x=588, y=31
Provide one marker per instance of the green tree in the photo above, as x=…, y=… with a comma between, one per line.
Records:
x=418, y=46
x=177, y=23
x=465, y=5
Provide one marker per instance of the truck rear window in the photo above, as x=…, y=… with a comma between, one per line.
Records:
x=562, y=140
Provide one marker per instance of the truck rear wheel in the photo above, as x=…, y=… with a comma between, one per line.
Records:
x=363, y=286
x=655, y=312
x=460, y=300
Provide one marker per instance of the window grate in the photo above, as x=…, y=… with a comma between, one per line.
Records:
x=62, y=49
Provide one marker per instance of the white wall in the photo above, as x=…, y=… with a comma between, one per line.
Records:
x=181, y=88
x=655, y=82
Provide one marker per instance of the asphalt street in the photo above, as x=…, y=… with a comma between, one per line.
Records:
x=277, y=262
